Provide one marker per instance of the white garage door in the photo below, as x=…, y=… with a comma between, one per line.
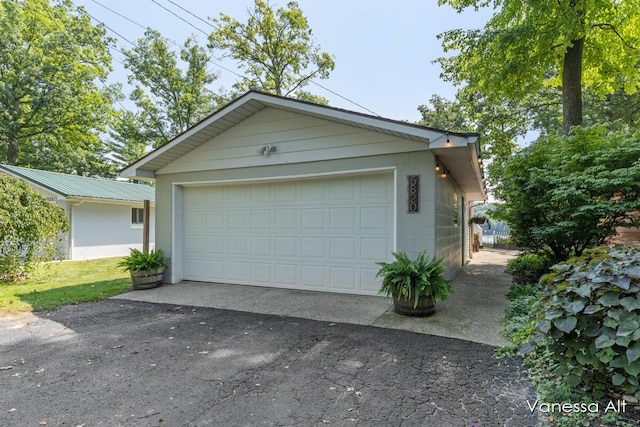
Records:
x=321, y=235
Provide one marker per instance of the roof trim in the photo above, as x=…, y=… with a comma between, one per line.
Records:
x=255, y=101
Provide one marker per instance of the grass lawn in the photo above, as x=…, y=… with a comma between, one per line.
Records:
x=63, y=283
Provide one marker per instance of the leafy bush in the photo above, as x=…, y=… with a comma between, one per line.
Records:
x=411, y=279
x=566, y=194
x=519, y=324
x=589, y=318
x=30, y=228
x=527, y=268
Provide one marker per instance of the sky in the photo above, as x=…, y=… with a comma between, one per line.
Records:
x=384, y=51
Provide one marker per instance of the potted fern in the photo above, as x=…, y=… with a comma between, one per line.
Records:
x=416, y=286
x=146, y=269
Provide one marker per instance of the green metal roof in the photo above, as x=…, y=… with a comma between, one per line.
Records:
x=81, y=186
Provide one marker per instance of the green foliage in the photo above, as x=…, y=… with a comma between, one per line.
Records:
x=411, y=279
x=589, y=318
x=566, y=194
x=530, y=46
x=498, y=122
x=528, y=268
x=170, y=100
x=519, y=324
x=30, y=227
x=52, y=104
x=274, y=48
x=140, y=261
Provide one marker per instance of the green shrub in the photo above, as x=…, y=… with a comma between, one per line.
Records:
x=30, y=228
x=527, y=268
x=589, y=317
x=519, y=324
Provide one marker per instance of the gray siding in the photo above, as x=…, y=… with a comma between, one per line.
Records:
x=450, y=225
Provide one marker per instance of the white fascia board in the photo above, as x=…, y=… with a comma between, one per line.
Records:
x=80, y=199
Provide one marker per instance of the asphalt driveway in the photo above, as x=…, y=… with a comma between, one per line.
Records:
x=129, y=363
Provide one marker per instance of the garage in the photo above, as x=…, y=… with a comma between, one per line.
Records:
x=322, y=234
x=277, y=192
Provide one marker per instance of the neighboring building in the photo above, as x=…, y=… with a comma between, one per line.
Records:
x=105, y=215
x=277, y=192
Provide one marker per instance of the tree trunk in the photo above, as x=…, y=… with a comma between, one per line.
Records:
x=572, y=86
x=13, y=147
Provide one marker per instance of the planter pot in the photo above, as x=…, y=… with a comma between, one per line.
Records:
x=145, y=279
x=426, y=306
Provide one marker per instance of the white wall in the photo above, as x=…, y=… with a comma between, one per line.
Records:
x=102, y=230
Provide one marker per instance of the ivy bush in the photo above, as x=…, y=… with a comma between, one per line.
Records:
x=30, y=228
x=588, y=316
x=527, y=268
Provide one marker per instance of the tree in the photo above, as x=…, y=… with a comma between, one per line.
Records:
x=128, y=142
x=52, y=106
x=530, y=45
x=565, y=194
x=170, y=100
x=274, y=48
x=498, y=124
x=29, y=228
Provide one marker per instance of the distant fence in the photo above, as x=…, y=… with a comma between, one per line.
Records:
x=491, y=238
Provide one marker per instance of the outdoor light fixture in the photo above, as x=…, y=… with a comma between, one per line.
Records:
x=448, y=140
x=437, y=167
x=266, y=150
x=443, y=175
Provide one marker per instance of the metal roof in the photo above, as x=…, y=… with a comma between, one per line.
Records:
x=83, y=187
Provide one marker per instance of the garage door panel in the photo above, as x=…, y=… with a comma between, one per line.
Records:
x=238, y=245
x=261, y=246
x=312, y=219
x=215, y=244
x=374, y=249
x=343, y=279
x=375, y=218
x=286, y=246
x=313, y=277
x=323, y=234
x=342, y=248
x=286, y=274
x=237, y=218
x=215, y=219
x=313, y=247
x=237, y=271
x=343, y=219
x=261, y=273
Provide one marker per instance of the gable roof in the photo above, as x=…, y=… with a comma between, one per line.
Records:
x=458, y=152
x=83, y=187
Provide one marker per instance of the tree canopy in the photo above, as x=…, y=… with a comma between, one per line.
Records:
x=52, y=104
x=527, y=46
x=274, y=49
x=171, y=95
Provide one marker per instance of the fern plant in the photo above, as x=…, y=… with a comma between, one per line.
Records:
x=140, y=261
x=413, y=279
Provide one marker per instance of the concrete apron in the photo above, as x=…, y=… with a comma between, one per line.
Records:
x=474, y=312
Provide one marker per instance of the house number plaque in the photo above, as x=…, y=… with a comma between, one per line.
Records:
x=413, y=190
